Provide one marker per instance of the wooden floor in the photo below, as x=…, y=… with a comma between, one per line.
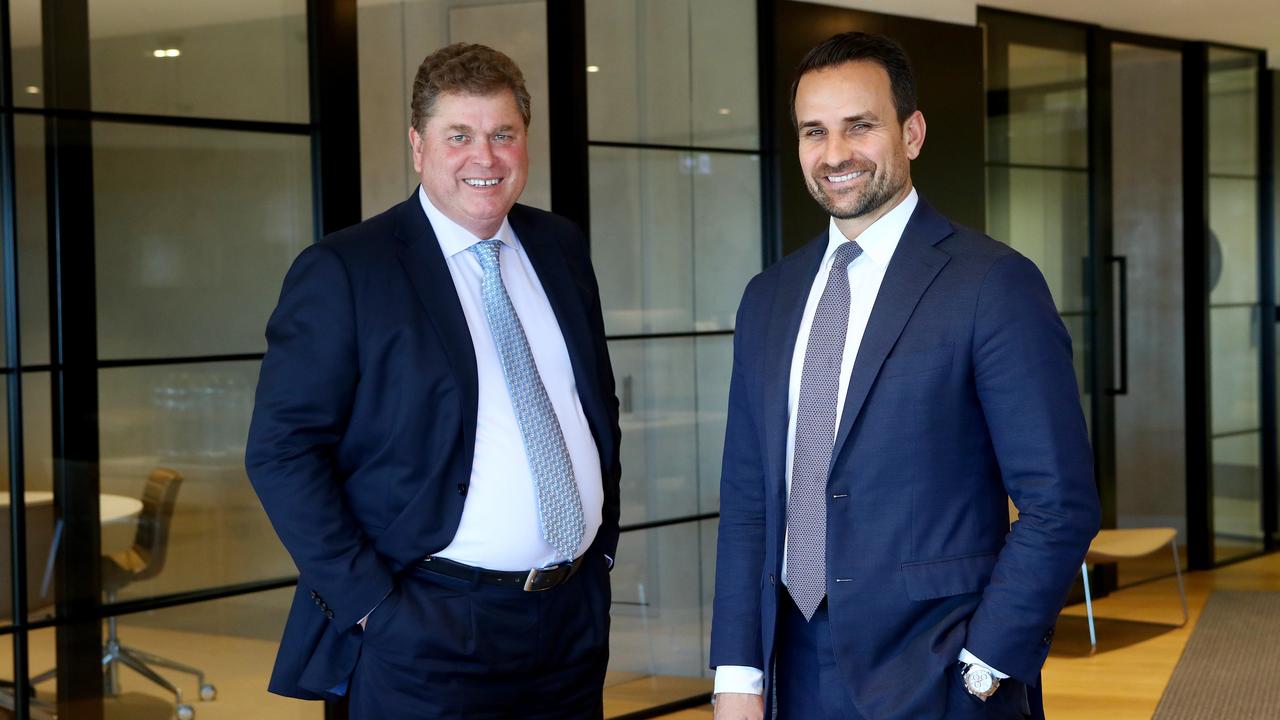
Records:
x=1139, y=644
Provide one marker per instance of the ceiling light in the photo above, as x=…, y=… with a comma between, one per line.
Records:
x=33, y=90
x=172, y=52
x=725, y=111
x=593, y=68
x=157, y=53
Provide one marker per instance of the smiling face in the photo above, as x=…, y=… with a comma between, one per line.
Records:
x=472, y=158
x=855, y=154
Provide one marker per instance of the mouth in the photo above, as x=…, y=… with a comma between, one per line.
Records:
x=482, y=182
x=846, y=178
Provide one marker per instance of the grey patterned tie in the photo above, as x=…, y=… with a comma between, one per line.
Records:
x=816, y=437
x=556, y=491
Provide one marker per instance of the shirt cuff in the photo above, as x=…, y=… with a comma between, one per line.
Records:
x=739, y=679
x=609, y=560
x=970, y=658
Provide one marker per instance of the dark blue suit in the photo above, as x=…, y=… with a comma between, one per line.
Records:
x=962, y=392
x=364, y=427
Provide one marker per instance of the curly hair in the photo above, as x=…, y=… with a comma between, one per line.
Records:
x=469, y=69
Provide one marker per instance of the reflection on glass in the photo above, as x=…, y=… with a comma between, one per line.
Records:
x=1233, y=112
x=675, y=237
x=1045, y=114
x=1233, y=220
x=661, y=586
x=1044, y=214
x=394, y=37
x=246, y=61
x=33, y=256
x=677, y=72
x=28, y=53
x=673, y=394
x=1237, y=484
x=38, y=465
x=233, y=641
x=194, y=230
x=192, y=419
x=1234, y=335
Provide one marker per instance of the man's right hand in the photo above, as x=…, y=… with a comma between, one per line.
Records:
x=739, y=706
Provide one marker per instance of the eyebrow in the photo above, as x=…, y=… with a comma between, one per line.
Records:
x=859, y=117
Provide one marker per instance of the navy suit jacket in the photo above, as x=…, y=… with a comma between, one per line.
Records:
x=364, y=427
x=962, y=392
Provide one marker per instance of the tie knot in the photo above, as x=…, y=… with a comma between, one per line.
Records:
x=487, y=252
x=847, y=252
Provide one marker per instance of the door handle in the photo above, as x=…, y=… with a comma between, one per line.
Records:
x=1122, y=322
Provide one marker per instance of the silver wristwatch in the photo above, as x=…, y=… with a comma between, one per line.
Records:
x=979, y=681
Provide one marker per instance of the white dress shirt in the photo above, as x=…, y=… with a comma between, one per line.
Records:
x=866, y=273
x=500, y=529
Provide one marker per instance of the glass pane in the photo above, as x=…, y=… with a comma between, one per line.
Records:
x=1078, y=329
x=394, y=37
x=232, y=640
x=1044, y=118
x=724, y=83
x=1044, y=214
x=37, y=441
x=1233, y=112
x=194, y=230
x=33, y=256
x=192, y=419
x=660, y=630
x=246, y=61
x=1233, y=238
x=28, y=53
x=1234, y=335
x=715, y=366
x=1237, y=489
x=675, y=237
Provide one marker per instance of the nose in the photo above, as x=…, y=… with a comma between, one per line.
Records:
x=483, y=154
x=836, y=151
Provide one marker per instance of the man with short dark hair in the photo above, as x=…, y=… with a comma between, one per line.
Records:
x=435, y=437
x=895, y=382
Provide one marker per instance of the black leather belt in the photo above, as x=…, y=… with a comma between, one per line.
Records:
x=535, y=580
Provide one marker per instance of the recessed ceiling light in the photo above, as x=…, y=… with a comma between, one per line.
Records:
x=725, y=111
x=158, y=53
x=172, y=52
x=593, y=68
x=33, y=90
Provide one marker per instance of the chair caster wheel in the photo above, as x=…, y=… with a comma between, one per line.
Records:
x=208, y=692
x=186, y=712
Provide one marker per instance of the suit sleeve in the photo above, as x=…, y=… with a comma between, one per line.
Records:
x=305, y=392
x=1026, y=384
x=740, y=551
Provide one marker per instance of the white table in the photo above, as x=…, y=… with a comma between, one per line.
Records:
x=112, y=508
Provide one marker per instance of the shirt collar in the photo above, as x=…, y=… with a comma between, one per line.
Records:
x=881, y=238
x=454, y=238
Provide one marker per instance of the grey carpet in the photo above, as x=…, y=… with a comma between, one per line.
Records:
x=1231, y=665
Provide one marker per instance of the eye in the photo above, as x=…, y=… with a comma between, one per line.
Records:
x=860, y=127
x=458, y=139
x=502, y=137
x=814, y=132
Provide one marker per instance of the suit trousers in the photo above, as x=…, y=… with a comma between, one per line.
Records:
x=810, y=686
x=441, y=647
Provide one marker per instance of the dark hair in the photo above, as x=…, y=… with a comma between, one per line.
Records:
x=855, y=46
x=468, y=69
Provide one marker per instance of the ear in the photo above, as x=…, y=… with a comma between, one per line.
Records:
x=913, y=131
x=416, y=143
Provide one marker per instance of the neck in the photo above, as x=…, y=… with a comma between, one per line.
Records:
x=851, y=228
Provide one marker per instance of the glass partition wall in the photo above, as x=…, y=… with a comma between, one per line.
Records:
x=1107, y=153
x=161, y=170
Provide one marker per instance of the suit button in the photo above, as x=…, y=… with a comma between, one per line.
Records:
x=462, y=489
x=771, y=580
x=1048, y=636
x=328, y=614
x=314, y=594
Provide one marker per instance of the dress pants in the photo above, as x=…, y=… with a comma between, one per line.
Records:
x=441, y=647
x=809, y=685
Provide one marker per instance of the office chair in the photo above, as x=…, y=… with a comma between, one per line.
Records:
x=144, y=560
x=40, y=555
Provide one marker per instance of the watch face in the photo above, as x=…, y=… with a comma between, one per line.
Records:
x=978, y=680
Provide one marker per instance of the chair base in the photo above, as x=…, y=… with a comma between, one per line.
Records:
x=1088, y=599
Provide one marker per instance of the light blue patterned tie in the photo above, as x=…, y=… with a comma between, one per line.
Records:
x=816, y=438
x=556, y=490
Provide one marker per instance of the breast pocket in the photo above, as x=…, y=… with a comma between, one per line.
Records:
x=916, y=362
x=945, y=577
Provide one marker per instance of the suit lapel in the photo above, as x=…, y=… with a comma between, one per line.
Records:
x=784, y=325
x=566, y=302
x=419, y=252
x=912, y=269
